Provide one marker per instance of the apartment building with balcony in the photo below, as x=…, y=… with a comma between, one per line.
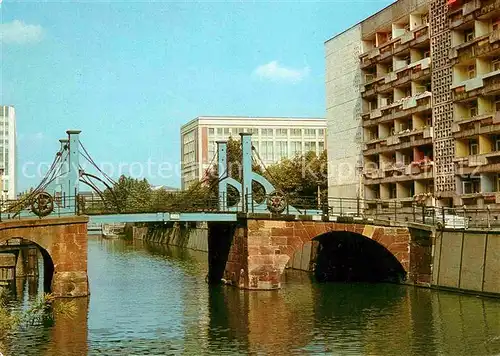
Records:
x=475, y=91
x=390, y=121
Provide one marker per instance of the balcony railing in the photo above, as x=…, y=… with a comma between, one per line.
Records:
x=480, y=46
x=413, y=71
x=397, y=110
x=478, y=125
x=484, y=84
x=396, y=45
x=472, y=10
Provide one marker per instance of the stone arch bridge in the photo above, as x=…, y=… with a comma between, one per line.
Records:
x=254, y=253
x=62, y=242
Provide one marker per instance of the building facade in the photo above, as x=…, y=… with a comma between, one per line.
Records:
x=8, y=157
x=274, y=138
x=413, y=91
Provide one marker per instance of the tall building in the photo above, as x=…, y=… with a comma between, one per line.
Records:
x=8, y=155
x=273, y=137
x=413, y=91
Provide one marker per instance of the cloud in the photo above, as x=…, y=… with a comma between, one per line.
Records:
x=20, y=33
x=275, y=72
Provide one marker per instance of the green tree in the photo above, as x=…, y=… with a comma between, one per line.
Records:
x=299, y=178
x=129, y=195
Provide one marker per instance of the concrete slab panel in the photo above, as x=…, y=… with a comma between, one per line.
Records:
x=492, y=265
x=449, y=269
x=471, y=277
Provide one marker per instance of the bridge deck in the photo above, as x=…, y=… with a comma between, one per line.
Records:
x=161, y=217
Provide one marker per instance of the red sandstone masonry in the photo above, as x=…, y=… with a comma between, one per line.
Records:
x=271, y=245
x=65, y=240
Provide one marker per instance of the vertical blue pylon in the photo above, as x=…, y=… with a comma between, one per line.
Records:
x=73, y=177
x=246, y=149
x=222, y=173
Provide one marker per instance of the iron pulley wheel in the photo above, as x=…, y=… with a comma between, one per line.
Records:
x=276, y=202
x=42, y=204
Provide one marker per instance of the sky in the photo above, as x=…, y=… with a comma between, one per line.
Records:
x=129, y=74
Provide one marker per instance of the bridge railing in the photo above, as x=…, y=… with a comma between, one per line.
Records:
x=28, y=208
x=328, y=208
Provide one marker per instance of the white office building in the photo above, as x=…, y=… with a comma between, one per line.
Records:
x=273, y=137
x=8, y=156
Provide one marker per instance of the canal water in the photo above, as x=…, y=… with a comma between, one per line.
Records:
x=153, y=300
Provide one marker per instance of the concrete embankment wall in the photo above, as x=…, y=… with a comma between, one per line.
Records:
x=467, y=260
x=188, y=235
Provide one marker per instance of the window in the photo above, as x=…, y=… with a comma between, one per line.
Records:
x=427, y=54
x=392, y=191
x=295, y=148
x=219, y=131
x=495, y=63
x=321, y=132
x=473, y=108
x=310, y=133
x=495, y=24
x=321, y=147
x=471, y=186
x=369, y=77
x=266, y=132
x=211, y=149
x=497, y=143
x=226, y=131
x=267, y=150
x=498, y=183
x=497, y=103
x=468, y=35
x=471, y=71
x=473, y=147
x=425, y=19
x=281, y=132
x=211, y=131
x=310, y=146
x=296, y=132
x=281, y=150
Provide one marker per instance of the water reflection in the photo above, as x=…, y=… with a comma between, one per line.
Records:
x=152, y=299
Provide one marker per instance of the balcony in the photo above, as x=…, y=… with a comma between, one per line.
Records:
x=399, y=109
x=479, y=125
x=485, y=84
x=472, y=10
x=396, y=142
x=409, y=39
x=418, y=70
x=465, y=14
x=479, y=47
x=373, y=174
x=475, y=164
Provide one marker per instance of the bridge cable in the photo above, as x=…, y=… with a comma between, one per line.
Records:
x=89, y=158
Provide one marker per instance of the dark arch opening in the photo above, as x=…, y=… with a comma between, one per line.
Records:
x=48, y=264
x=349, y=257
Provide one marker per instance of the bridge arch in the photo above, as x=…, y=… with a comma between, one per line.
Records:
x=262, y=248
x=48, y=263
x=343, y=256
x=63, y=244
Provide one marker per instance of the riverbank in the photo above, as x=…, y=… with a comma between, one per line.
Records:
x=193, y=236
